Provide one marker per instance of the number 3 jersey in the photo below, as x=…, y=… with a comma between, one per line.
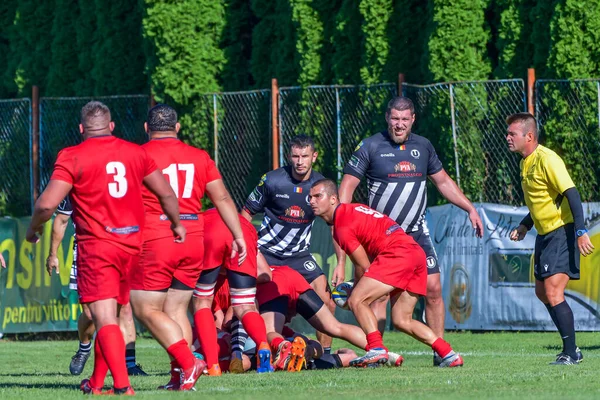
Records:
x=106, y=173
x=188, y=170
x=286, y=227
x=356, y=224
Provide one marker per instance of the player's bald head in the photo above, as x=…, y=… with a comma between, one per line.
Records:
x=95, y=115
x=329, y=187
x=526, y=121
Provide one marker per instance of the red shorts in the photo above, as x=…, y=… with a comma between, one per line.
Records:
x=163, y=260
x=401, y=265
x=217, y=248
x=103, y=271
x=222, y=299
x=285, y=282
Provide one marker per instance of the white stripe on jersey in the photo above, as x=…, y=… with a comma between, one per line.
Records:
x=373, y=191
x=263, y=240
x=385, y=196
x=401, y=201
x=415, y=208
x=285, y=242
x=304, y=240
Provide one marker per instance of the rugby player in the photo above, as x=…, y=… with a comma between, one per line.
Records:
x=562, y=235
x=390, y=261
x=104, y=176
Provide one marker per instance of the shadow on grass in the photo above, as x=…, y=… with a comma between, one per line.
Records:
x=37, y=374
x=6, y=385
x=583, y=348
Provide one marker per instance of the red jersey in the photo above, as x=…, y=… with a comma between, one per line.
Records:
x=284, y=282
x=106, y=173
x=188, y=170
x=356, y=224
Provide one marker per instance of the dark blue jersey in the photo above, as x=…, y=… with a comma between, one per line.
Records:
x=396, y=176
x=287, y=224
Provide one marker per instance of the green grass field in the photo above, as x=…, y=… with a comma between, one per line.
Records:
x=497, y=365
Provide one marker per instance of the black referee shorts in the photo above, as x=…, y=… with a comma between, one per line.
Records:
x=557, y=253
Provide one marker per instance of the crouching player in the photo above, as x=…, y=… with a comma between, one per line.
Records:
x=242, y=282
x=286, y=295
x=398, y=267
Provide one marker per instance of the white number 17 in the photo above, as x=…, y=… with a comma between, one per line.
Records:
x=171, y=172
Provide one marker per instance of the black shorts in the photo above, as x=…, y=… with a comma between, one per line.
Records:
x=556, y=253
x=304, y=264
x=424, y=240
x=307, y=305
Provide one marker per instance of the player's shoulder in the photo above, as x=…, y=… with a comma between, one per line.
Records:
x=420, y=140
x=373, y=141
x=544, y=153
x=316, y=176
x=277, y=176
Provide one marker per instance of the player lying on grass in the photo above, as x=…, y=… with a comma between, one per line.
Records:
x=387, y=261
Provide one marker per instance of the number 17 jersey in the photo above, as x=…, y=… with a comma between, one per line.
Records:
x=106, y=173
x=188, y=170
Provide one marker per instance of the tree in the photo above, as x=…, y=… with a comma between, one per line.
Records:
x=8, y=10
x=348, y=43
x=86, y=37
x=374, y=57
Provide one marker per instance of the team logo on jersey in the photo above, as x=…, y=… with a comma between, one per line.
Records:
x=255, y=196
x=392, y=229
x=294, y=212
x=431, y=262
x=282, y=196
x=415, y=153
x=358, y=146
x=387, y=155
x=163, y=217
x=263, y=179
x=460, y=293
x=405, y=169
x=353, y=161
x=310, y=265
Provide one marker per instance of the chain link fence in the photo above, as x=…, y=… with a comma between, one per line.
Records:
x=568, y=115
x=59, y=124
x=242, y=137
x=15, y=157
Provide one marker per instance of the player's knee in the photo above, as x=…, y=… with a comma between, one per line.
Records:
x=555, y=296
x=434, y=290
x=355, y=301
x=402, y=322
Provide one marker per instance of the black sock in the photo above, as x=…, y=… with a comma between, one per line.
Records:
x=130, y=357
x=326, y=350
x=85, y=347
x=566, y=327
x=552, y=314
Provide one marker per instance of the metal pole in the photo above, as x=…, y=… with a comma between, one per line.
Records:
x=275, y=122
x=35, y=141
x=215, y=130
x=452, y=112
x=338, y=121
x=400, y=89
x=531, y=91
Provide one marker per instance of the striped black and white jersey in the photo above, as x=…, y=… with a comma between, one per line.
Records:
x=286, y=226
x=66, y=208
x=396, y=176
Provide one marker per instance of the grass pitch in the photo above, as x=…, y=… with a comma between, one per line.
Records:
x=497, y=365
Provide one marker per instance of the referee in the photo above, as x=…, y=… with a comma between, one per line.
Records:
x=560, y=226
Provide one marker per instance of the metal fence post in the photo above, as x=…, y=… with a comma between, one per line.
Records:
x=452, y=112
x=531, y=91
x=215, y=129
x=401, y=80
x=275, y=122
x=338, y=123
x=35, y=141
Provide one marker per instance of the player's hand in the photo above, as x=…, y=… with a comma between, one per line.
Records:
x=238, y=248
x=339, y=274
x=52, y=264
x=33, y=236
x=179, y=232
x=519, y=233
x=2, y=262
x=476, y=223
x=585, y=245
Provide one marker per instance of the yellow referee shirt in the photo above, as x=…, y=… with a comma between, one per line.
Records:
x=544, y=178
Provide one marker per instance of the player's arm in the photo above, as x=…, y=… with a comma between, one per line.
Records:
x=220, y=197
x=583, y=240
x=44, y=207
x=158, y=185
x=524, y=226
x=450, y=190
x=263, y=271
x=255, y=203
x=59, y=226
x=346, y=191
x=361, y=262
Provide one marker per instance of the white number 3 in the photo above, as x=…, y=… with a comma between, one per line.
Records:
x=118, y=188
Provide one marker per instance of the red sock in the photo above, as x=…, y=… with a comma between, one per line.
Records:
x=100, y=367
x=275, y=344
x=441, y=347
x=112, y=344
x=255, y=326
x=204, y=322
x=287, y=331
x=374, y=340
x=182, y=354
